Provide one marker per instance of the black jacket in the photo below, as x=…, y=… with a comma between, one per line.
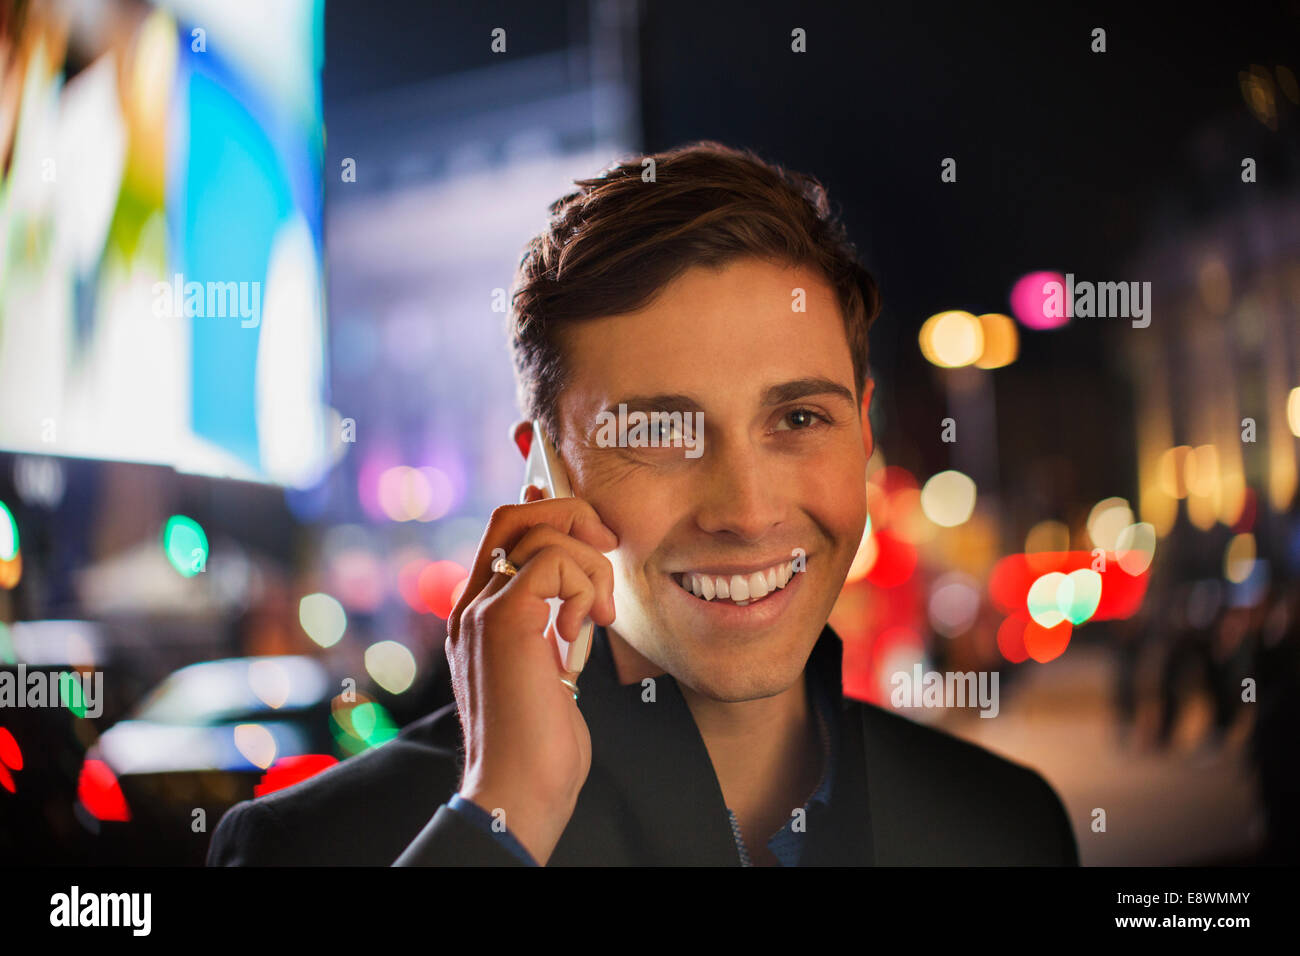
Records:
x=904, y=794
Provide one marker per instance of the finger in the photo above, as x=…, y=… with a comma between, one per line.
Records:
x=595, y=564
x=508, y=524
x=552, y=573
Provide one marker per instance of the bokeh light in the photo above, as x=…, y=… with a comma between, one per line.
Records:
x=1136, y=547
x=270, y=682
x=865, y=558
x=1001, y=341
x=186, y=545
x=414, y=494
x=256, y=743
x=436, y=585
x=1172, y=471
x=8, y=534
x=287, y=771
x=954, y=603
x=1079, y=594
x=894, y=563
x=322, y=618
x=948, y=498
x=1239, y=558
x=100, y=793
x=1029, y=299
x=1107, y=519
x=952, y=339
x=11, y=755
x=11, y=572
x=1045, y=644
x=1011, y=640
x=1044, y=604
x=391, y=665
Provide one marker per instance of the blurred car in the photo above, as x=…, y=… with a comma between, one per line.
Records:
x=42, y=746
x=211, y=734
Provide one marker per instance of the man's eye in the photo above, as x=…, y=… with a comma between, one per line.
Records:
x=666, y=432
x=800, y=419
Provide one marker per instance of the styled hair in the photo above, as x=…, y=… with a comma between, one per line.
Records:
x=621, y=237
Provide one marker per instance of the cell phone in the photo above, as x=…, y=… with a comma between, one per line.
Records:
x=542, y=467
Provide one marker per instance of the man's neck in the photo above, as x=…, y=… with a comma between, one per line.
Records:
x=765, y=752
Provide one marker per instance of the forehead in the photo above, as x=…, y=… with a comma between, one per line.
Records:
x=721, y=335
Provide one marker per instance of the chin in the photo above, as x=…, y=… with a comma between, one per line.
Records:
x=738, y=672
x=731, y=687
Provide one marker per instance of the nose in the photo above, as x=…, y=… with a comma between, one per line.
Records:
x=743, y=494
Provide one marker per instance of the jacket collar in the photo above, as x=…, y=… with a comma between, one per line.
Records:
x=652, y=795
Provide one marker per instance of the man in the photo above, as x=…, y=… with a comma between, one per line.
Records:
x=709, y=725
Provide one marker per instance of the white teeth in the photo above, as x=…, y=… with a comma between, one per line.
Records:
x=742, y=589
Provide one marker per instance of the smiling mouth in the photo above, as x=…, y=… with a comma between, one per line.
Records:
x=738, y=589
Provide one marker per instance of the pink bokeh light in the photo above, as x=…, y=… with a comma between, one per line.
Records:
x=1028, y=301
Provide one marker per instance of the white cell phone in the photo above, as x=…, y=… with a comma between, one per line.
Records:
x=544, y=469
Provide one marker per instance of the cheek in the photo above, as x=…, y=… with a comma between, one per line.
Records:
x=640, y=526
x=834, y=490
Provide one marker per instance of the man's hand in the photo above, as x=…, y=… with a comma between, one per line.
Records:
x=527, y=747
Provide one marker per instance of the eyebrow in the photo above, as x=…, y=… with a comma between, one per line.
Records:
x=772, y=395
x=805, y=388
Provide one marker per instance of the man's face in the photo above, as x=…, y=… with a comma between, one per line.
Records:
x=782, y=473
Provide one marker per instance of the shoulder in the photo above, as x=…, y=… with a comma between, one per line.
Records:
x=937, y=798
x=364, y=810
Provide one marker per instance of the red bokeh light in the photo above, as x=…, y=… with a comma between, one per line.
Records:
x=437, y=585
x=100, y=793
x=1045, y=644
x=1121, y=593
x=10, y=754
x=895, y=561
x=287, y=771
x=1011, y=639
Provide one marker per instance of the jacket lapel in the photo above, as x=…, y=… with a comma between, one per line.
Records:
x=844, y=836
x=653, y=798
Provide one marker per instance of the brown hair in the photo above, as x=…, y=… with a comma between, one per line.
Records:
x=616, y=241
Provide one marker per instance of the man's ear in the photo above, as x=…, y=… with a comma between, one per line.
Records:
x=868, y=439
x=522, y=433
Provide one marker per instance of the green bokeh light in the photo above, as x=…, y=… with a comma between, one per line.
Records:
x=186, y=545
x=70, y=692
x=1079, y=595
x=363, y=726
x=8, y=533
